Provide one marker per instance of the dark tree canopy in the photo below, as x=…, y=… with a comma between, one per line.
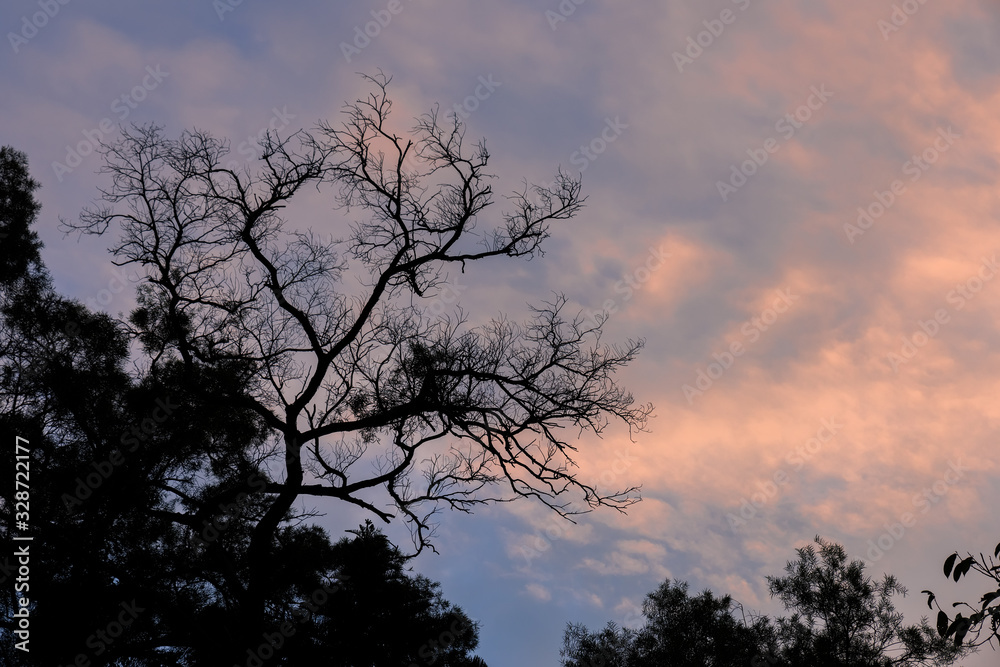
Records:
x=115, y=549
x=839, y=618
x=379, y=614
x=18, y=209
x=63, y=388
x=680, y=630
x=842, y=617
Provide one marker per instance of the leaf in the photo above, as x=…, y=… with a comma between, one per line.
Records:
x=942, y=624
x=961, y=628
x=990, y=597
x=948, y=564
x=930, y=599
x=996, y=552
x=963, y=567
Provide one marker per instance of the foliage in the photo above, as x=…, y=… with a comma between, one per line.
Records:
x=985, y=615
x=379, y=614
x=20, y=258
x=839, y=618
x=680, y=629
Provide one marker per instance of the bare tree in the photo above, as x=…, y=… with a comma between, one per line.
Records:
x=370, y=399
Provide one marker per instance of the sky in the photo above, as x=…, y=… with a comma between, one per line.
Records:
x=793, y=204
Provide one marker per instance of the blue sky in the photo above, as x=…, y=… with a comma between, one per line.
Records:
x=726, y=148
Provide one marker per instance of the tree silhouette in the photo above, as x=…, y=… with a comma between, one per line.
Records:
x=680, y=630
x=105, y=542
x=360, y=392
x=985, y=615
x=112, y=543
x=840, y=618
x=63, y=389
x=380, y=615
x=263, y=376
x=18, y=211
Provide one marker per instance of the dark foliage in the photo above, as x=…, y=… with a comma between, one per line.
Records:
x=982, y=624
x=839, y=618
x=679, y=629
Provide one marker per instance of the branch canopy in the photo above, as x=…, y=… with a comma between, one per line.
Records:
x=363, y=389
